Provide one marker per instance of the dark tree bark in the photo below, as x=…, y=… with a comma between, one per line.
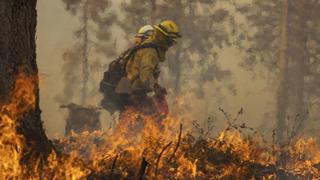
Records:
x=18, y=19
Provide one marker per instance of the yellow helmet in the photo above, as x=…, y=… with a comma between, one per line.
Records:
x=145, y=31
x=169, y=29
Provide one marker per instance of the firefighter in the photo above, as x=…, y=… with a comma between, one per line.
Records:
x=143, y=71
x=113, y=101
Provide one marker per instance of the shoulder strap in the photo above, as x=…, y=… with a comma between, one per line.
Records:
x=122, y=57
x=125, y=54
x=143, y=46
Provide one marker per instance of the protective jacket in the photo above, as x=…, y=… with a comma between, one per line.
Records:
x=143, y=68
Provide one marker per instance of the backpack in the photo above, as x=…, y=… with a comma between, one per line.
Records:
x=113, y=101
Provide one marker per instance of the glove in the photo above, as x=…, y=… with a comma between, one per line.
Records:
x=160, y=91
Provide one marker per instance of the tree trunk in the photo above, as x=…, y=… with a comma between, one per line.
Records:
x=175, y=63
x=300, y=55
x=18, y=51
x=282, y=94
x=85, y=53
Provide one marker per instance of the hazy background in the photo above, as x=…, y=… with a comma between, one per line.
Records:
x=55, y=35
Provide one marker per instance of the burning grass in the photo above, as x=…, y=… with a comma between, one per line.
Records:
x=147, y=147
x=140, y=147
x=181, y=155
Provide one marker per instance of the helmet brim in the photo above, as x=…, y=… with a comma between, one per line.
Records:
x=168, y=34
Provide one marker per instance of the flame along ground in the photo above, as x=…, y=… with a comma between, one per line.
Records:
x=171, y=152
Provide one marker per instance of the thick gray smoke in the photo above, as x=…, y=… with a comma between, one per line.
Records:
x=203, y=68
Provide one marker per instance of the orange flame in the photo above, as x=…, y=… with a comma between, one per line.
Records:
x=11, y=143
x=138, y=135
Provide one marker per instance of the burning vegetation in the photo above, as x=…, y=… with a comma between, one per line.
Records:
x=142, y=148
x=146, y=146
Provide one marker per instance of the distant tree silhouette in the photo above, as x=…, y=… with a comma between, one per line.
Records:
x=283, y=39
x=78, y=68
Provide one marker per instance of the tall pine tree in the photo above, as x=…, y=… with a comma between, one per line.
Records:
x=284, y=34
x=18, y=56
x=94, y=31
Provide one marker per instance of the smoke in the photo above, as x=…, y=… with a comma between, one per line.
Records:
x=82, y=62
x=71, y=76
x=202, y=72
